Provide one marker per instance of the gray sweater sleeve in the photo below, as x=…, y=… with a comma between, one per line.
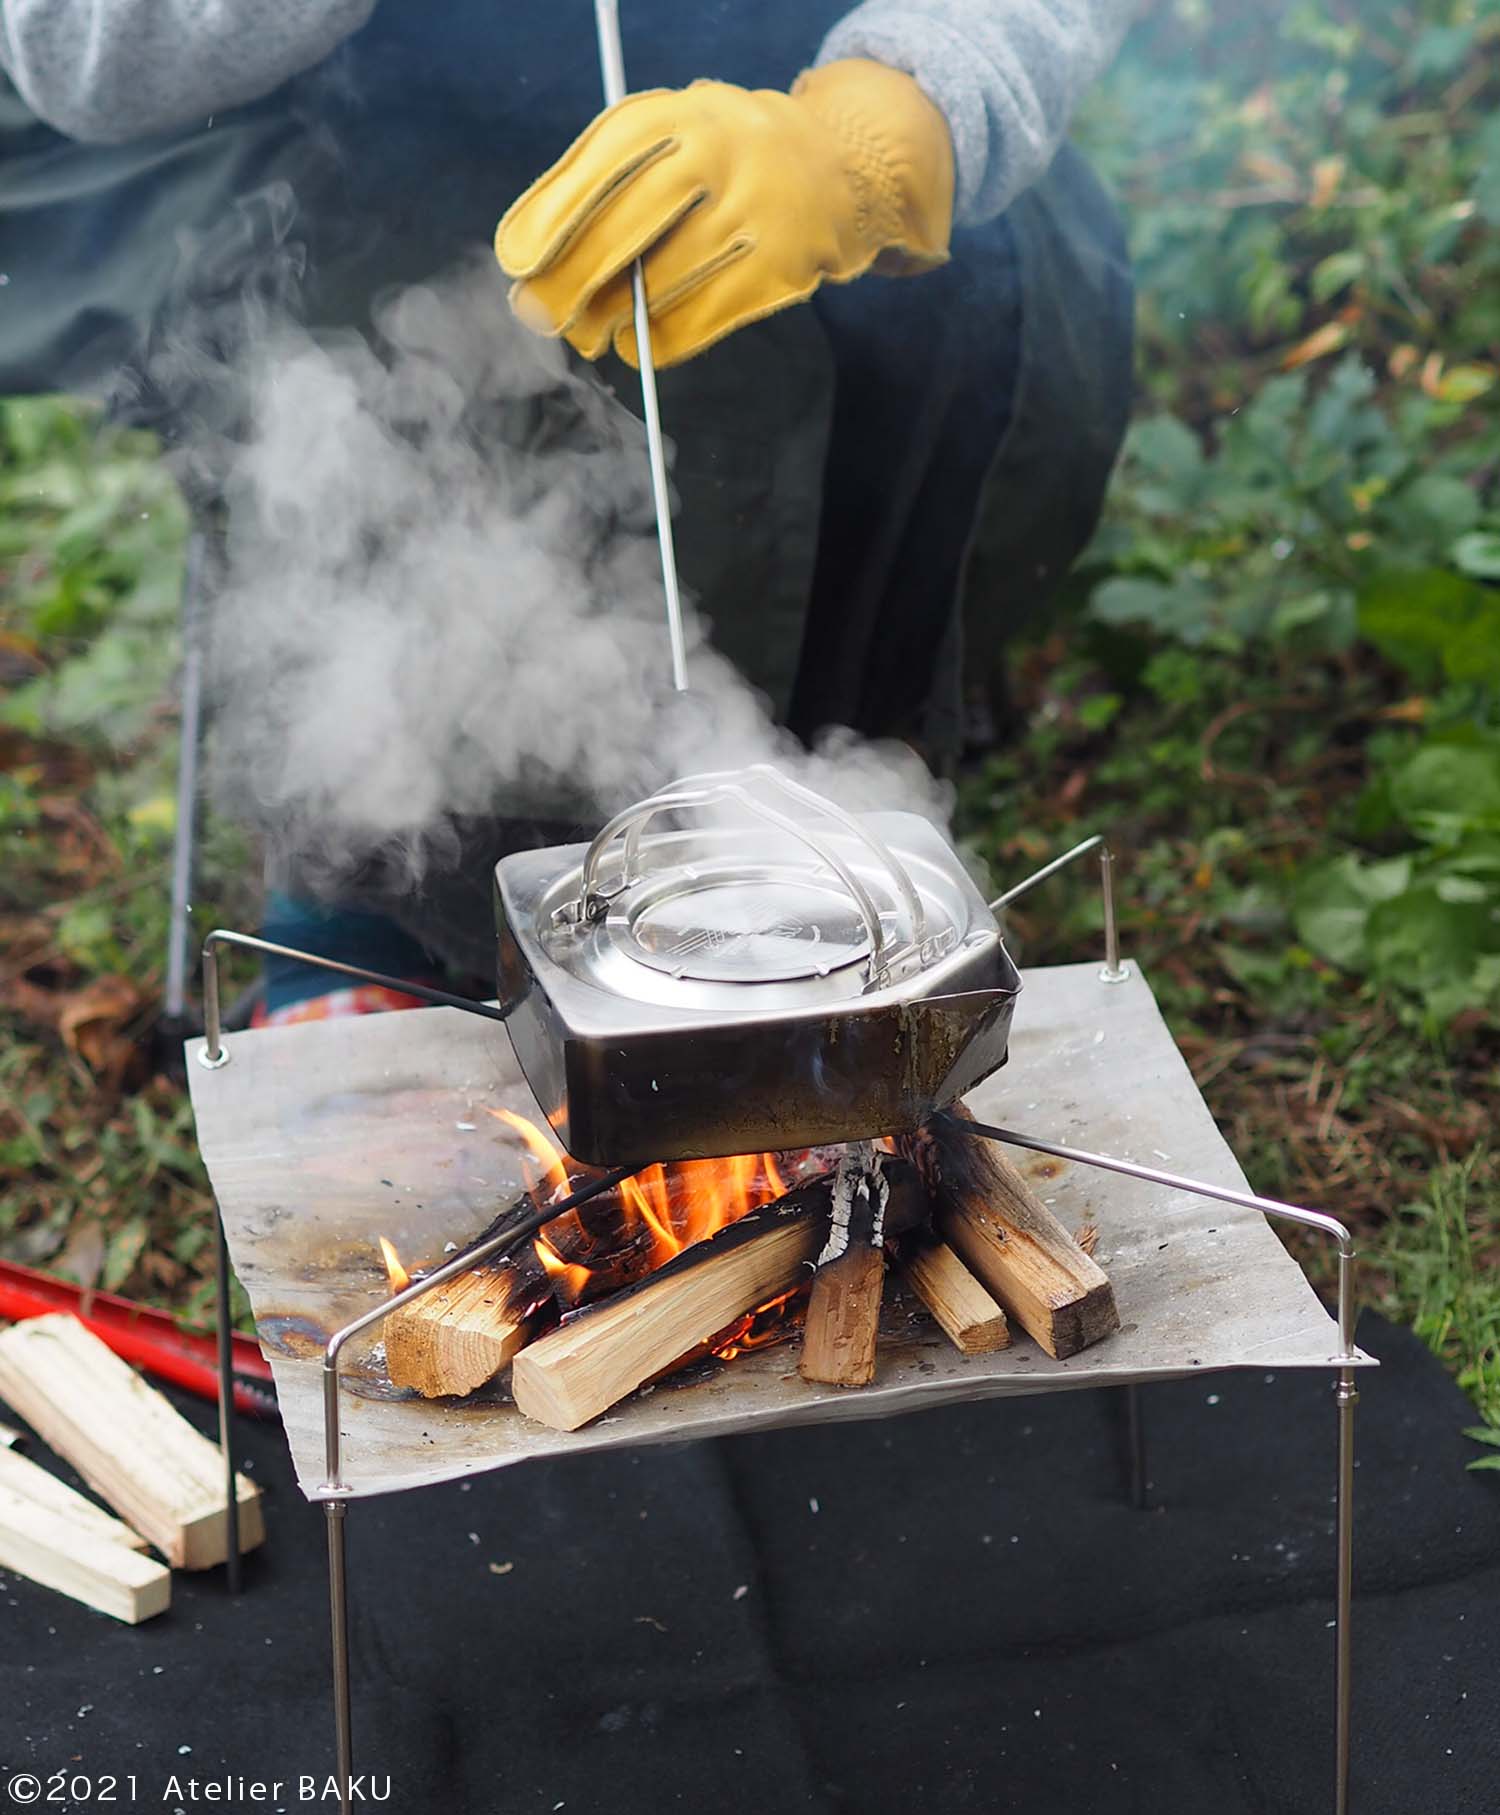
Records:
x=105, y=71
x=1007, y=73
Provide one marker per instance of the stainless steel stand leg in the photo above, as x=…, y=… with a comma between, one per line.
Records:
x=1347, y=1394
x=338, y=1609
x=1113, y=971
x=184, y=837
x=226, y=1410
x=335, y=1488
x=1135, y=1437
x=1348, y=1398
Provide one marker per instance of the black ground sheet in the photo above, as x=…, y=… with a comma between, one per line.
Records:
x=954, y=1610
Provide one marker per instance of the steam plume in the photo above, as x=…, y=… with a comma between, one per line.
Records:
x=443, y=600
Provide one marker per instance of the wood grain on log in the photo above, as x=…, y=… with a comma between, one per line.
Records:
x=112, y=1577
x=461, y=1333
x=968, y=1315
x=70, y=1512
x=128, y=1442
x=600, y=1354
x=843, y=1308
x=1002, y=1231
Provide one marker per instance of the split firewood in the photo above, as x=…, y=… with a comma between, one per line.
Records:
x=125, y=1439
x=454, y=1338
x=53, y=1536
x=1001, y=1230
x=461, y=1333
x=601, y=1353
x=1087, y=1236
x=20, y=1479
x=71, y=1556
x=843, y=1308
x=968, y=1315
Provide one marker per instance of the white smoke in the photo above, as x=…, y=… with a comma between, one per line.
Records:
x=444, y=601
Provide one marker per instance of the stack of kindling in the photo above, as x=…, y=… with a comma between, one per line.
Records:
x=162, y=1477
x=946, y=1211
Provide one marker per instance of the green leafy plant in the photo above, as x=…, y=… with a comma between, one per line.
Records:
x=1427, y=920
x=91, y=537
x=1301, y=180
x=1317, y=514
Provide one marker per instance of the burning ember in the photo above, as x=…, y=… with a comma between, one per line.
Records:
x=759, y=1329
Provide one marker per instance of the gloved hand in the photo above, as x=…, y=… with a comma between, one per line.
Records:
x=740, y=202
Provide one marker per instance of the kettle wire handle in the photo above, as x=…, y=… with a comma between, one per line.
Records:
x=586, y=906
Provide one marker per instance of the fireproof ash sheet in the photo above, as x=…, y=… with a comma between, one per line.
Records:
x=320, y=1138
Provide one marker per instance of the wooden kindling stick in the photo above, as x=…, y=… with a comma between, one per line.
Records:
x=843, y=1309
x=454, y=1338
x=969, y=1316
x=1000, y=1229
x=875, y=1196
x=51, y=1535
x=463, y=1332
x=127, y=1441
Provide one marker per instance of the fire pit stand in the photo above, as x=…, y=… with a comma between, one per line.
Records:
x=335, y=1488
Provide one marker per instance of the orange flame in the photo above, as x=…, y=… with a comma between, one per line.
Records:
x=759, y=1329
x=543, y=1150
x=567, y=1279
x=696, y=1198
x=397, y=1274
x=667, y=1208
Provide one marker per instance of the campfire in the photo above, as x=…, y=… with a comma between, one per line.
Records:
x=698, y=1259
x=738, y=960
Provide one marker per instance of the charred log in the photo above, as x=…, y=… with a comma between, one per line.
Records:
x=843, y=1308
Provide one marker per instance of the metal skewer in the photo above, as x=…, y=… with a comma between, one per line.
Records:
x=612, y=64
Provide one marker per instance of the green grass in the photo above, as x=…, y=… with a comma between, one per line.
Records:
x=1440, y=1258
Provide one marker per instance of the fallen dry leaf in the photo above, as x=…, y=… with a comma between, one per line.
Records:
x=1408, y=712
x=1318, y=345
x=1266, y=167
x=81, y=1257
x=91, y=1022
x=1327, y=174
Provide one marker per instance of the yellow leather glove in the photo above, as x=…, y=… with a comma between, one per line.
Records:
x=739, y=202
